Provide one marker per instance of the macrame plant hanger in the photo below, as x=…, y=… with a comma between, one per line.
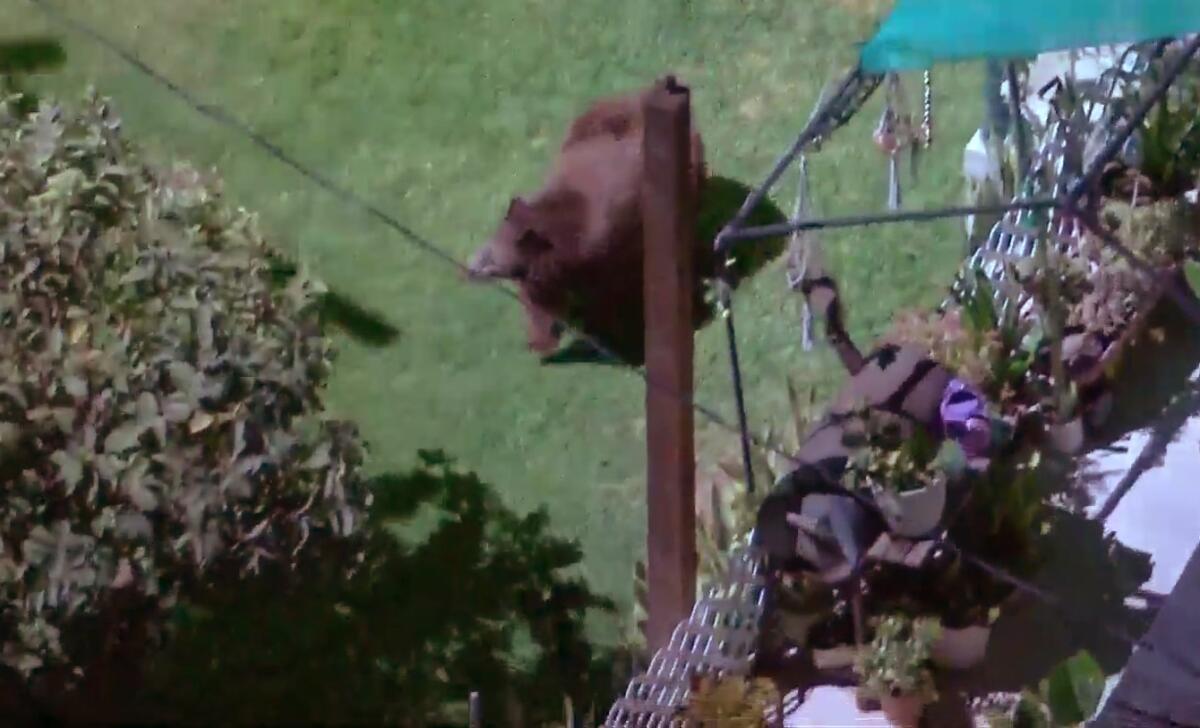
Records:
x=895, y=132
x=804, y=246
x=927, y=110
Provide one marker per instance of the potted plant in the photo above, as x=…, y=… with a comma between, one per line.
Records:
x=1066, y=426
x=963, y=601
x=1061, y=416
x=896, y=667
x=730, y=700
x=901, y=472
x=966, y=629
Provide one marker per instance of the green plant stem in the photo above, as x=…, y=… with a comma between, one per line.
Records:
x=1051, y=296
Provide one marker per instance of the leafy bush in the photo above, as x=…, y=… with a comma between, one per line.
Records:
x=457, y=593
x=160, y=409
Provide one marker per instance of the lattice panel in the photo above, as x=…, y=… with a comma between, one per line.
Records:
x=720, y=638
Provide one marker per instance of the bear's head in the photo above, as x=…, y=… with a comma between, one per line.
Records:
x=514, y=248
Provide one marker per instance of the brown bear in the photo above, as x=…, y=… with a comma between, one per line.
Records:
x=620, y=117
x=574, y=247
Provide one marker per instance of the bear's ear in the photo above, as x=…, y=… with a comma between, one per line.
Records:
x=519, y=212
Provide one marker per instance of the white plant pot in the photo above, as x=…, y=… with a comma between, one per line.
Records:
x=834, y=658
x=961, y=649
x=916, y=512
x=1067, y=437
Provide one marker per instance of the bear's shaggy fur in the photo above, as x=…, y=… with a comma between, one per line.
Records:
x=574, y=247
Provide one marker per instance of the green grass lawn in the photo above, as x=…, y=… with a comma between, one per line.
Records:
x=438, y=111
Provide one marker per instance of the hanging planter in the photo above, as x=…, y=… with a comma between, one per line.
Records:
x=914, y=513
x=1064, y=427
x=1067, y=437
x=961, y=649
x=905, y=473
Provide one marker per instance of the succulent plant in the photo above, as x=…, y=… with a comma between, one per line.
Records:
x=882, y=456
x=731, y=701
x=160, y=390
x=898, y=659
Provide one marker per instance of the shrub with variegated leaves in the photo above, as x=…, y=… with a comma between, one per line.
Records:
x=160, y=410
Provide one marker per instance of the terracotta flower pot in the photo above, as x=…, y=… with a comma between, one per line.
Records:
x=914, y=513
x=961, y=649
x=865, y=701
x=903, y=711
x=1067, y=437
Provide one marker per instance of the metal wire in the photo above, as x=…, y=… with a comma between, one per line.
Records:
x=223, y=117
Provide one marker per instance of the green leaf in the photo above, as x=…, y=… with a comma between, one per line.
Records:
x=10, y=434
x=134, y=486
x=123, y=438
x=1191, y=271
x=64, y=417
x=177, y=409
x=75, y=386
x=951, y=459
x=133, y=525
x=1074, y=689
x=319, y=459
x=183, y=375
x=204, y=327
x=147, y=409
x=69, y=466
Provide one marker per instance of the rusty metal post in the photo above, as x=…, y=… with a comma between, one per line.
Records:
x=669, y=222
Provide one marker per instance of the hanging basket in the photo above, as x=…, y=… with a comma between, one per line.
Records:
x=961, y=649
x=1067, y=437
x=914, y=513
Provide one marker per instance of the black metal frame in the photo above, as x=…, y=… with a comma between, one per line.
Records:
x=1078, y=202
x=833, y=113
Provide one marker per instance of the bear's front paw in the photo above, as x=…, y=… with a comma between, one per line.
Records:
x=545, y=344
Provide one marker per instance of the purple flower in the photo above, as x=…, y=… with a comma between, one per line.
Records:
x=965, y=419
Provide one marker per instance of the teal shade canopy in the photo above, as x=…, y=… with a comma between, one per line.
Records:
x=920, y=33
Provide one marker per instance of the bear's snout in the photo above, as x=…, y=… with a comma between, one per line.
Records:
x=481, y=266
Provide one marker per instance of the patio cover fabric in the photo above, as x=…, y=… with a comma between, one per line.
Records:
x=920, y=33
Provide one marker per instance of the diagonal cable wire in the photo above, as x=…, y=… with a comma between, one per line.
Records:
x=225, y=118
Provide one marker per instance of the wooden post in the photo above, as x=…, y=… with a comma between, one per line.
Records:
x=669, y=221
x=474, y=710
